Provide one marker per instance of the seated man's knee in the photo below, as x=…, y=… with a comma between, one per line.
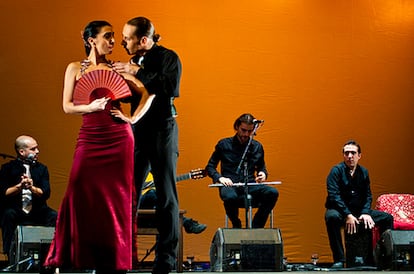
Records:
x=270, y=197
x=273, y=194
x=9, y=214
x=389, y=222
x=229, y=196
x=333, y=217
x=390, y=218
x=53, y=218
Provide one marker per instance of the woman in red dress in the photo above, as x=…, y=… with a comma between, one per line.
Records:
x=95, y=226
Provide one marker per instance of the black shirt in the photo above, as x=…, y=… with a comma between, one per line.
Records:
x=349, y=194
x=229, y=152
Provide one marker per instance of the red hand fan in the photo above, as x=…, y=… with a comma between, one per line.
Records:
x=101, y=78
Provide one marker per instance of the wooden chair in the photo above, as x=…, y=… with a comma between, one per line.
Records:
x=150, y=214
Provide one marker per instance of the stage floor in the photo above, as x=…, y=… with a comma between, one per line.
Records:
x=246, y=272
x=294, y=267
x=345, y=270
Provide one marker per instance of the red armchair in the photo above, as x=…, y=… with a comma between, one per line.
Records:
x=401, y=207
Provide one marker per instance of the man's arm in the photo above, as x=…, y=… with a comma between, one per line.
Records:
x=261, y=171
x=212, y=164
x=41, y=183
x=335, y=200
x=211, y=167
x=10, y=180
x=368, y=201
x=366, y=209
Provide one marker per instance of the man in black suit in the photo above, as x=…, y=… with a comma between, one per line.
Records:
x=24, y=190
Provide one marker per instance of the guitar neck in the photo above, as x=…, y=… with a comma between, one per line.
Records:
x=178, y=178
x=183, y=177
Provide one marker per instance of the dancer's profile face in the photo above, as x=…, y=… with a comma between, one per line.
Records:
x=130, y=41
x=104, y=41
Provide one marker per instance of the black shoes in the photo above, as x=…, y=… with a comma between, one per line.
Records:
x=192, y=226
x=47, y=270
x=337, y=265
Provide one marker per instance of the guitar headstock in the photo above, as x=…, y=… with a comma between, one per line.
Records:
x=198, y=173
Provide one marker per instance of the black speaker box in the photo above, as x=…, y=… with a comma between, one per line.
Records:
x=30, y=246
x=403, y=249
x=247, y=250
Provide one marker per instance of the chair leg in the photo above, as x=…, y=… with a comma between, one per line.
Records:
x=250, y=217
x=271, y=219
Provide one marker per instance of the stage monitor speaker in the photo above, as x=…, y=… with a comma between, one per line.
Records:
x=258, y=249
x=403, y=249
x=30, y=246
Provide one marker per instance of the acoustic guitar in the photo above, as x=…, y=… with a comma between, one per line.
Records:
x=194, y=174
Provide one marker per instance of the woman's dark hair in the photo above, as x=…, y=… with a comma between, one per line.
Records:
x=144, y=27
x=244, y=118
x=91, y=30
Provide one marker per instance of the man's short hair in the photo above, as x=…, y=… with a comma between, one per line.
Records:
x=352, y=142
x=244, y=118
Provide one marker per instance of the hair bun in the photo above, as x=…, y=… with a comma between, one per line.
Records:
x=156, y=37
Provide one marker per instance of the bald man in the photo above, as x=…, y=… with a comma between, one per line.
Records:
x=24, y=190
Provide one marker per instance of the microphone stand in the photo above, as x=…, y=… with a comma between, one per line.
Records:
x=15, y=265
x=243, y=161
x=7, y=156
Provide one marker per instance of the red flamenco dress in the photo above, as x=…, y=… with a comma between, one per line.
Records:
x=94, y=229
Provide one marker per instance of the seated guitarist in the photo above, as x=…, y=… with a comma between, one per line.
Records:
x=149, y=199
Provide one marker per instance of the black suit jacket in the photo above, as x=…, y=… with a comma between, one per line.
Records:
x=10, y=175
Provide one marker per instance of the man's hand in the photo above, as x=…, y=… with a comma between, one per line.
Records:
x=225, y=181
x=129, y=68
x=261, y=176
x=351, y=224
x=368, y=221
x=26, y=182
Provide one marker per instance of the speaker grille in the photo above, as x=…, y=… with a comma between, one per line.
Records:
x=246, y=250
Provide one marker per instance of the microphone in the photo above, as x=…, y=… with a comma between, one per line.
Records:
x=256, y=121
x=31, y=158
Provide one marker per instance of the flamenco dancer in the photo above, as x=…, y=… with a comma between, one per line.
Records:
x=94, y=229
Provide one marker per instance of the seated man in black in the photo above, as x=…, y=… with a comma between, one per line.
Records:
x=24, y=189
x=349, y=202
x=229, y=153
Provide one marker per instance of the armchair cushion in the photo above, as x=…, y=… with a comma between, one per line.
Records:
x=401, y=207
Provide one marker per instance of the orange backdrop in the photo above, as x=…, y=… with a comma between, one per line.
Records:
x=318, y=72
